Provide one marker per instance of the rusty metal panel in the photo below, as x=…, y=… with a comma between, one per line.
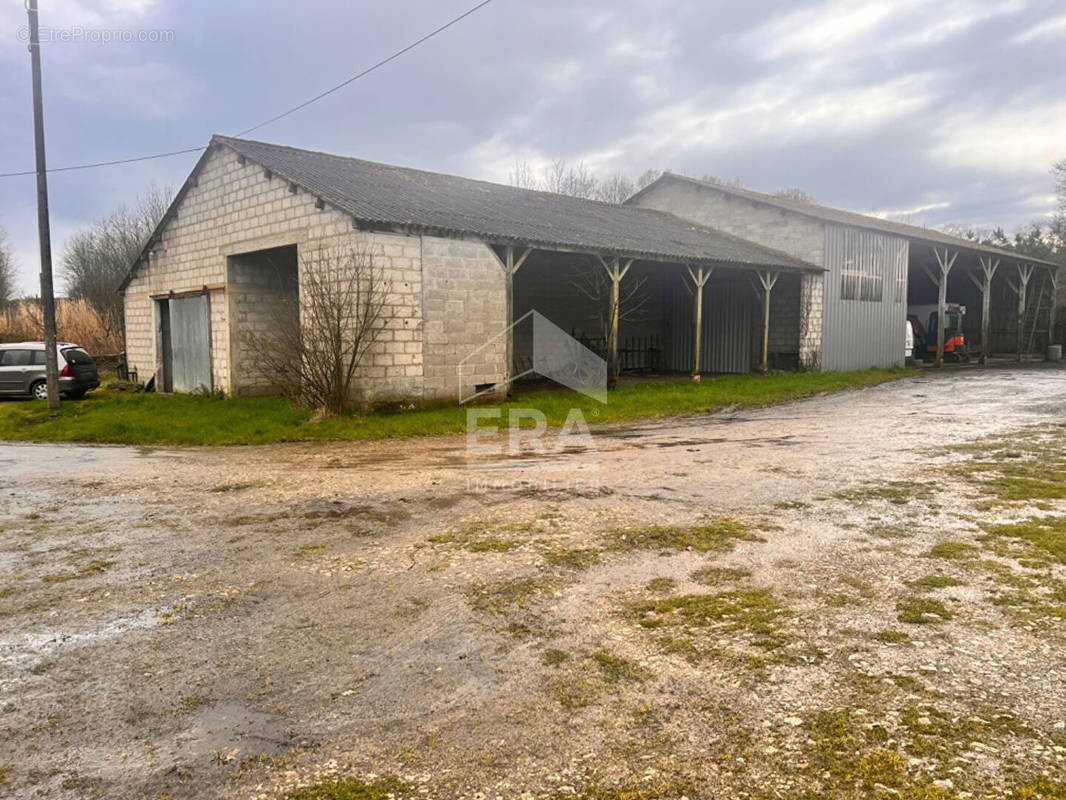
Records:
x=865, y=303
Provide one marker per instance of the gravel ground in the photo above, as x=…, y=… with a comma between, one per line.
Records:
x=717, y=606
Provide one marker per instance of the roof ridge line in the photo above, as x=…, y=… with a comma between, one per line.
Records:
x=227, y=139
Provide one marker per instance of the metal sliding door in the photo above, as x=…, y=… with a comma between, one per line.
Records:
x=187, y=339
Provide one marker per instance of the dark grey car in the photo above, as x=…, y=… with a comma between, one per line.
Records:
x=22, y=370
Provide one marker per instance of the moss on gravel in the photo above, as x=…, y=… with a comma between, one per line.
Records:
x=719, y=535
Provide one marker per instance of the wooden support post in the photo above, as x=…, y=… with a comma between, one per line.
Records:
x=1025, y=272
x=700, y=278
x=946, y=260
x=767, y=280
x=615, y=272
x=989, y=266
x=1053, y=280
x=510, y=266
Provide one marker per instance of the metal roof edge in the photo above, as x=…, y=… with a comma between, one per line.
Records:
x=914, y=232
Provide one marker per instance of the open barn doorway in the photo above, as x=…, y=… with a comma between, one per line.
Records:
x=264, y=307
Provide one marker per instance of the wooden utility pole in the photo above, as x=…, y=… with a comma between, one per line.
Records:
x=945, y=261
x=700, y=278
x=615, y=271
x=48, y=300
x=767, y=280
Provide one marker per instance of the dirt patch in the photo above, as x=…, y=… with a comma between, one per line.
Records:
x=745, y=606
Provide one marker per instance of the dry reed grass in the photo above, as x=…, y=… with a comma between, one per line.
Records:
x=76, y=321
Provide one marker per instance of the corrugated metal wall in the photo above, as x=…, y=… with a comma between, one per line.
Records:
x=727, y=324
x=857, y=334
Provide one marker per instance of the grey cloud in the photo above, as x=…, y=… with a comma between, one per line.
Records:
x=893, y=106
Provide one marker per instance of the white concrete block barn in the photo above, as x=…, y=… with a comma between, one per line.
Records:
x=732, y=280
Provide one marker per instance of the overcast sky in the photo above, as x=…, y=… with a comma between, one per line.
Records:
x=935, y=112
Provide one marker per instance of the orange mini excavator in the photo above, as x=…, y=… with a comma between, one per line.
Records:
x=954, y=339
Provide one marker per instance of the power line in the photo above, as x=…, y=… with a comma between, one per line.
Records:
x=370, y=69
x=273, y=119
x=105, y=163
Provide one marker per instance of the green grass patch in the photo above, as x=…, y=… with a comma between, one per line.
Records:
x=1040, y=789
x=719, y=536
x=891, y=636
x=616, y=668
x=1022, y=488
x=845, y=752
x=351, y=789
x=483, y=537
x=1046, y=533
x=896, y=492
x=308, y=551
x=576, y=693
x=189, y=704
x=647, y=788
x=578, y=558
x=502, y=597
x=1027, y=466
x=661, y=585
x=493, y=544
x=922, y=611
x=953, y=551
x=713, y=576
x=107, y=415
x=883, y=531
x=930, y=582
x=753, y=610
x=554, y=657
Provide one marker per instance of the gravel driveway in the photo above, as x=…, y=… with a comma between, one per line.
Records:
x=801, y=598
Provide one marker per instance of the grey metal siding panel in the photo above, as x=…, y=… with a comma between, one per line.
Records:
x=190, y=342
x=727, y=324
x=857, y=334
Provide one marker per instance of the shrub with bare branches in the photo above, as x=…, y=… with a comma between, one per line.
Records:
x=314, y=353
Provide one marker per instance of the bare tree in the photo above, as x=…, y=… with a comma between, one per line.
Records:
x=574, y=180
x=577, y=180
x=523, y=177
x=595, y=284
x=797, y=194
x=1058, y=170
x=648, y=177
x=736, y=183
x=615, y=188
x=97, y=258
x=7, y=271
x=314, y=352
